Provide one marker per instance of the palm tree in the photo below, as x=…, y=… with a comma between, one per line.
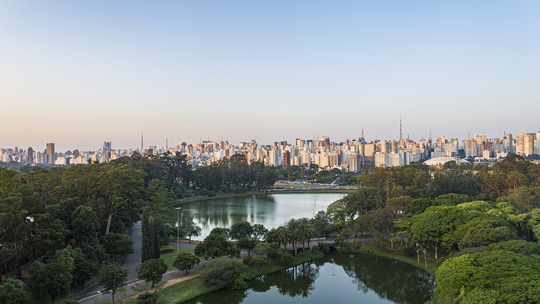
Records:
x=295, y=235
x=283, y=236
x=304, y=227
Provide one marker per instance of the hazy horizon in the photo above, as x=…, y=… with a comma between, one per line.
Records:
x=80, y=73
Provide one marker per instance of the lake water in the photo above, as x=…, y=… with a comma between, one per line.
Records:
x=271, y=210
x=336, y=278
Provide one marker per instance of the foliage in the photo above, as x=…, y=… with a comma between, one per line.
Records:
x=247, y=243
x=147, y=298
x=12, y=292
x=191, y=229
x=185, y=261
x=259, y=261
x=505, y=276
x=240, y=230
x=166, y=249
x=112, y=278
x=152, y=271
x=223, y=272
x=214, y=245
x=118, y=245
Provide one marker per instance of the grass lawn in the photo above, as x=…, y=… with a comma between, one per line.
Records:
x=183, y=291
x=169, y=258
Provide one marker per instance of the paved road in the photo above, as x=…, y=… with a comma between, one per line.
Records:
x=132, y=262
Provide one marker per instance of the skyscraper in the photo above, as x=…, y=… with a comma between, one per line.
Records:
x=50, y=153
x=30, y=156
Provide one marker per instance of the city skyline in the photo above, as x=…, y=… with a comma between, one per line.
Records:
x=78, y=74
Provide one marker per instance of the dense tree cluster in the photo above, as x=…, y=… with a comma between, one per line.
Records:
x=460, y=210
x=86, y=210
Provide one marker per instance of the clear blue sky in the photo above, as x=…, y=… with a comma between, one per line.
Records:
x=81, y=72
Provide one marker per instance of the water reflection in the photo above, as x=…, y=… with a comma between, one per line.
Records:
x=271, y=210
x=389, y=279
x=374, y=280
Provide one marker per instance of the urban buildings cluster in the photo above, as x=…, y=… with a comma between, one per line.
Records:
x=350, y=155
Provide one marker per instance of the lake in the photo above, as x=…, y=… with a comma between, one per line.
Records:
x=271, y=210
x=336, y=278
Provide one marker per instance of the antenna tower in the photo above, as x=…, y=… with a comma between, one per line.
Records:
x=142, y=142
x=400, y=129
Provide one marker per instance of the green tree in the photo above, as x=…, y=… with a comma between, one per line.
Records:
x=118, y=245
x=85, y=227
x=214, y=245
x=185, y=261
x=122, y=189
x=12, y=292
x=259, y=231
x=240, y=230
x=50, y=280
x=260, y=261
x=509, y=277
x=247, y=243
x=191, y=229
x=112, y=278
x=223, y=272
x=148, y=237
x=152, y=271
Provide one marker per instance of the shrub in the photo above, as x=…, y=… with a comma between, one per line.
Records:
x=223, y=272
x=247, y=260
x=284, y=257
x=323, y=247
x=147, y=298
x=166, y=249
x=259, y=261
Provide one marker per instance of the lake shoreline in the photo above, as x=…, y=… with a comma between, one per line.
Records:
x=203, y=198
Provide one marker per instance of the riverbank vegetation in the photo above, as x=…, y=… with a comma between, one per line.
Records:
x=484, y=220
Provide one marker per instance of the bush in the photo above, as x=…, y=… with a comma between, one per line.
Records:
x=259, y=261
x=266, y=248
x=223, y=272
x=284, y=257
x=147, y=298
x=407, y=250
x=323, y=247
x=166, y=249
x=247, y=260
x=211, y=194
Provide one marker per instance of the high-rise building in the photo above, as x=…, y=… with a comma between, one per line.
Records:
x=30, y=156
x=106, y=146
x=51, y=157
x=286, y=158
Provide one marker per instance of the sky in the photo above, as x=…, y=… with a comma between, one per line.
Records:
x=78, y=73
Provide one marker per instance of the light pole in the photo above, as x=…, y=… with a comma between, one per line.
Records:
x=178, y=232
x=69, y=292
x=99, y=292
x=102, y=265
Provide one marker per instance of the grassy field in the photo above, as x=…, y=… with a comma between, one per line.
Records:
x=184, y=291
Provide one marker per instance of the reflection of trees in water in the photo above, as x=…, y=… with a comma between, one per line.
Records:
x=222, y=296
x=293, y=282
x=389, y=279
x=223, y=212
